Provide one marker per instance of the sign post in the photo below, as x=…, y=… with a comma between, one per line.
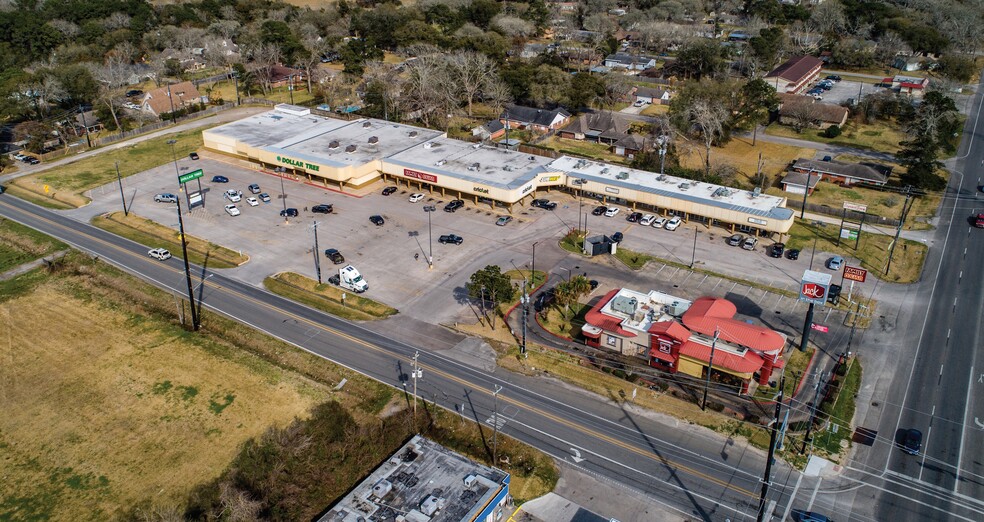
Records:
x=813, y=290
x=853, y=274
x=197, y=198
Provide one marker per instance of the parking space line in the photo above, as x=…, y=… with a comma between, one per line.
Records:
x=702, y=281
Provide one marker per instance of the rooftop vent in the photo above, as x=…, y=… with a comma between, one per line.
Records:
x=373, y=140
x=477, y=146
x=604, y=170
x=350, y=149
x=382, y=488
x=333, y=144
x=580, y=163
x=756, y=192
x=721, y=192
x=427, y=145
x=683, y=186
x=474, y=166
x=661, y=177
x=507, y=168
x=441, y=162
x=366, y=124
x=413, y=134
x=622, y=175
x=532, y=158
x=470, y=481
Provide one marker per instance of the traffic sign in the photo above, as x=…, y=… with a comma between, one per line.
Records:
x=819, y=327
x=854, y=273
x=188, y=176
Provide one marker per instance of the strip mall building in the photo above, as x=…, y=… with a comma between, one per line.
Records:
x=682, y=336
x=351, y=154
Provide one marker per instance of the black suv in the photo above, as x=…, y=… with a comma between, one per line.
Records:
x=617, y=237
x=389, y=190
x=450, y=238
x=377, y=220
x=543, y=300
x=598, y=211
x=290, y=212
x=335, y=256
x=454, y=205
x=322, y=209
x=793, y=254
x=777, y=250
x=634, y=217
x=545, y=204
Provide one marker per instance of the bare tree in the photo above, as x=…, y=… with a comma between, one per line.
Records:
x=828, y=17
x=237, y=506
x=112, y=76
x=707, y=118
x=496, y=95
x=804, y=114
x=424, y=95
x=471, y=73
x=45, y=89
x=68, y=29
x=116, y=21
x=264, y=58
x=513, y=26
x=617, y=88
x=391, y=84
x=226, y=29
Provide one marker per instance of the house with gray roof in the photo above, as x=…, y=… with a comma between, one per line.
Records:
x=843, y=173
x=632, y=62
x=540, y=120
x=606, y=127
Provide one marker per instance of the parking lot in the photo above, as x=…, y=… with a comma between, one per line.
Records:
x=385, y=254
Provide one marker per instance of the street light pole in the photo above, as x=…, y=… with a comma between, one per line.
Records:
x=430, y=237
x=806, y=192
x=317, y=253
x=693, y=257
x=283, y=192
x=495, y=424
x=533, y=263
x=817, y=225
x=184, y=252
x=184, y=186
x=119, y=179
x=710, y=365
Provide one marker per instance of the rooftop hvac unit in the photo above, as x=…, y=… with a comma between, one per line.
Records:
x=604, y=170
x=580, y=163
x=428, y=145
x=622, y=175
x=382, y=488
x=683, y=186
x=756, y=192
x=507, y=168
x=350, y=149
x=333, y=144
x=474, y=166
x=470, y=481
x=373, y=140
x=661, y=177
x=431, y=504
x=413, y=134
x=366, y=124
x=441, y=162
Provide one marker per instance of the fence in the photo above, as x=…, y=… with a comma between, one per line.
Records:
x=216, y=78
x=852, y=215
x=159, y=125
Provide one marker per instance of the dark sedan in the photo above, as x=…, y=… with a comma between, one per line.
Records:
x=450, y=238
x=545, y=204
x=220, y=179
x=634, y=217
x=599, y=211
x=335, y=256
x=389, y=190
x=322, y=209
x=617, y=237
x=793, y=254
x=777, y=249
x=377, y=220
x=454, y=205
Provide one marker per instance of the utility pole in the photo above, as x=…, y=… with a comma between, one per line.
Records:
x=767, y=479
x=430, y=236
x=693, y=258
x=495, y=424
x=806, y=328
x=86, y=127
x=184, y=250
x=898, y=229
x=119, y=179
x=710, y=366
x=526, y=315
x=806, y=192
x=415, y=375
x=317, y=253
x=813, y=412
x=174, y=117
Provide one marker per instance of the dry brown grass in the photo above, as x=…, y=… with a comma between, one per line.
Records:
x=740, y=154
x=112, y=408
x=155, y=235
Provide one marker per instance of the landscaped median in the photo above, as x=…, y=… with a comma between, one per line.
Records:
x=327, y=298
x=155, y=235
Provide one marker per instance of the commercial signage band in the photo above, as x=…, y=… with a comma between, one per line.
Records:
x=430, y=178
x=854, y=273
x=189, y=176
x=298, y=163
x=814, y=287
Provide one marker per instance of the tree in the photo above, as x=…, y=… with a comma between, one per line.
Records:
x=803, y=113
x=756, y=99
x=481, y=12
x=490, y=285
x=585, y=88
x=699, y=58
x=566, y=293
x=357, y=52
x=5, y=162
x=767, y=44
x=929, y=130
x=832, y=132
x=957, y=67
x=471, y=73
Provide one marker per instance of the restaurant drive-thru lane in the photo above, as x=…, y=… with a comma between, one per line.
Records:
x=679, y=465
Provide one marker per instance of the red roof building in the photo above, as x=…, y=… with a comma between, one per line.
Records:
x=795, y=74
x=679, y=336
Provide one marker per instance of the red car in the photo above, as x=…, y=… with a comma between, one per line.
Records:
x=979, y=222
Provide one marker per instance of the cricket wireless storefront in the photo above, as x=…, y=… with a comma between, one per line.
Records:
x=350, y=154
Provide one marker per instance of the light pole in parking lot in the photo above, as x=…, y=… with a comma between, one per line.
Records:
x=430, y=239
x=693, y=257
x=182, y=187
x=533, y=263
x=817, y=225
x=283, y=192
x=579, y=183
x=317, y=253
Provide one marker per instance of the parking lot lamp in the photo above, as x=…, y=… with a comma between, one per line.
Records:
x=693, y=257
x=174, y=156
x=283, y=192
x=317, y=253
x=430, y=238
x=817, y=225
x=533, y=263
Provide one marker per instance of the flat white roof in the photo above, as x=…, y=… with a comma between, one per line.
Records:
x=673, y=187
x=649, y=308
x=473, y=162
x=271, y=127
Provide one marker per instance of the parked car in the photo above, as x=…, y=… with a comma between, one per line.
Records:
x=834, y=77
x=674, y=223
x=544, y=204
x=503, y=220
x=133, y=92
x=252, y=201
x=543, y=300
x=660, y=222
x=416, y=197
x=639, y=103
x=450, y=238
x=254, y=188
x=634, y=217
x=835, y=263
x=31, y=160
x=611, y=211
x=749, y=243
x=599, y=210
x=793, y=254
x=389, y=190
x=289, y=212
x=735, y=240
x=979, y=221
x=323, y=208
x=264, y=197
x=647, y=220
x=817, y=97
x=377, y=220
x=617, y=237
x=454, y=205
x=232, y=210
x=193, y=155
x=166, y=198
x=18, y=156
x=810, y=516
x=777, y=249
x=233, y=195
x=220, y=179
x=912, y=441
x=335, y=256
x=159, y=253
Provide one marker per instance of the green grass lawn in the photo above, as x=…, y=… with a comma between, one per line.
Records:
x=583, y=148
x=20, y=244
x=840, y=413
x=879, y=136
x=326, y=297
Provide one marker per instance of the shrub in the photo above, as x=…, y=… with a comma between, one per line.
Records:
x=832, y=132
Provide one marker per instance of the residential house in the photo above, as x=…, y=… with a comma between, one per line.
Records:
x=86, y=122
x=585, y=36
x=707, y=31
x=189, y=60
x=491, y=130
x=171, y=98
x=907, y=84
x=842, y=173
x=532, y=50
x=632, y=62
x=908, y=63
x=606, y=127
x=821, y=115
x=652, y=95
x=281, y=75
x=739, y=36
x=795, y=74
x=795, y=182
x=539, y=120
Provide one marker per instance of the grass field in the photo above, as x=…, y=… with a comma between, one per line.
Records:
x=740, y=154
x=582, y=148
x=327, y=297
x=66, y=184
x=154, y=235
x=19, y=244
x=880, y=137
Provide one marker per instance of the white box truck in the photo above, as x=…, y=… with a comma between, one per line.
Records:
x=349, y=278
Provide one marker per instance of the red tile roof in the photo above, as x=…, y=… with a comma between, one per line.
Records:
x=670, y=328
x=750, y=363
x=606, y=322
x=661, y=355
x=708, y=314
x=796, y=69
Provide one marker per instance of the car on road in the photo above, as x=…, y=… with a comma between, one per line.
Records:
x=793, y=254
x=323, y=208
x=289, y=212
x=834, y=77
x=647, y=220
x=264, y=197
x=912, y=441
x=617, y=237
x=233, y=195
x=389, y=190
x=232, y=210
x=220, y=179
x=450, y=238
x=166, y=197
x=660, y=222
x=454, y=205
x=674, y=223
x=634, y=217
x=335, y=256
x=416, y=197
x=193, y=155
x=254, y=188
x=503, y=220
x=599, y=210
x=777, y=249
x=377, y=220
x=809, y=516
x=543, y=300
x=545, y=204
x=611, y=211
x=749, y=243
x=835, y=263
x=979, y=221
x=159, y=253
x=735, y=240
x=252, y=201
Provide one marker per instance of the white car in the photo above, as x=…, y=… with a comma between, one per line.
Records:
x=232, y=210
x=233, y=195
x=660, y=222
x=159, y=253
x=647, y=220
x=611, y=212
x=252, y=202
x=673, y=223
x=416, y=197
